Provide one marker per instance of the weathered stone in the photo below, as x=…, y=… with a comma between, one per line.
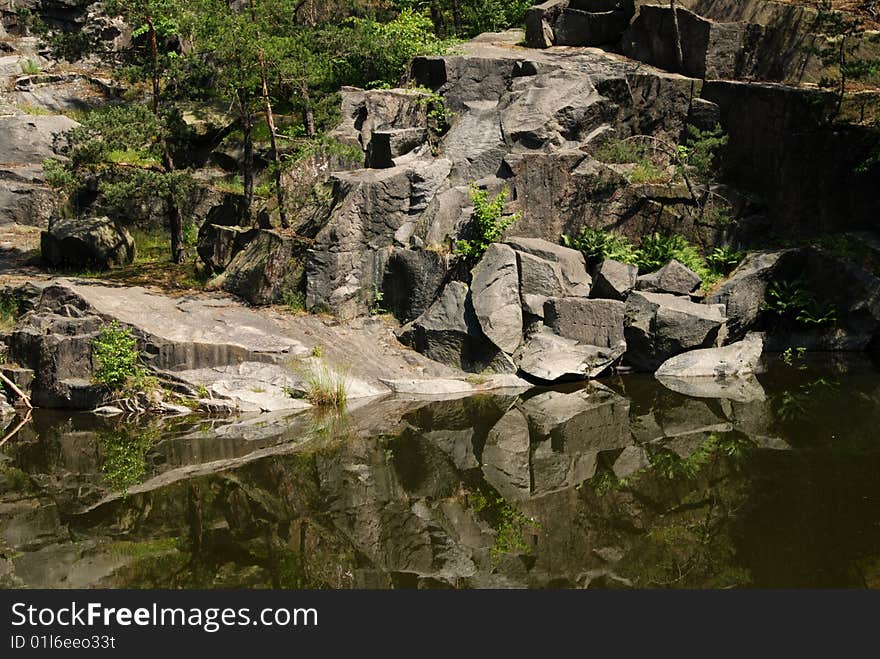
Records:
x=588, y=321
x=218, y=245
x=266, y=269
x=660, y=326
x=549, y=357
x=506, y=456
x=29, y=139
x=86, y=243
x=391, y=143
x=631, y=460
x=495, y=292
x=614, y=280
x=411, y=281
x=449, y=332
x=575, y=27
x=744, y=291
x=734, y=360
x=673, y=278
x=547, y=270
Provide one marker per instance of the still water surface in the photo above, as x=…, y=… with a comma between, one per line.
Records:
x=622, y=484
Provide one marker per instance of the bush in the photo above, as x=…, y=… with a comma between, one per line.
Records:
x=115, y=350
x=488, y=223
x=701, y=151
x=598, y=245
x=620, y=151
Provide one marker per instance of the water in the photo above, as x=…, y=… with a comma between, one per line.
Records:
x=625, y=484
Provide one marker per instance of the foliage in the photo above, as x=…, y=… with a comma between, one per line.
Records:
x=439, y=115
x=794, y=357
x=724, y=260
x=295, y=301
x=791, y=300
x=30, y=67
x=509, y=524
x=598, y=245
x=115, y=351
x=124, y=451
x=700, y=154
x=620, y=151
x=10, y=310
x=488, y=222
x=647, y=172
x=659, y=249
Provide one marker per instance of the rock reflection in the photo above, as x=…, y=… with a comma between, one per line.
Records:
x=624, y=485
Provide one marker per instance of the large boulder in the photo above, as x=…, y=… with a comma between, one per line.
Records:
x=218, y=245
x=674, y=278
x=450, y=333
x=86, y=243
x=659, y=326
x=547, y=270
x=411, y=281
x=548, y=357
x=577, y=22
x=588, y=321
x=614, y=280
x=744, y=292
x=505, y=456
x=270, y=266
x=495, y=291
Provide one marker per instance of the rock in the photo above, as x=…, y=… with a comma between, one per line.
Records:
x=450, y=333
x=218, y=245
x=505, y=459
x=704, y=115
x=540, y=21
x=549, y=357
x=673, y=278
x=547, y=270
x=659, y=326
x=632, y=459
x=734, y=360
x=392, y=143
x=614, y=280
x=588, y=321
x=31, y=139
x=744, y=291
x=710, y=49
x=412, y=279
x=745, y=389
x=86, y=243
x=495, y=294
x=581, y=28
x=268, y=267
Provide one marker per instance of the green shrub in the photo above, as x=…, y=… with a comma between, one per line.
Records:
x=647, y=172
x=115, y=350
x=723, y=260
x=598, y=245
x=295, y=301
x=488, y=222
x=619, y=151
x=791, y=300
x=701, y=152
x=659, y=249
x=9, y=312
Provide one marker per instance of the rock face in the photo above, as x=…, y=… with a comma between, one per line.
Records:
x=592, y=322
x=450, y=333
x=412, y=279
x=614, y=280
x=93, y=243
x=549, y=270
x=672, y=278
x=496, y=300
x=268, y=267
x=218, y=245
x=577, y=22
x=660, y=326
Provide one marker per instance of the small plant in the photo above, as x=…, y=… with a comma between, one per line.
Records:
x=439, y=115
x=701, y=152
x=488, y=222
x=30, y=67
x=115, y=350
x=794, y=357
x=659, y=249
x=376, y=307
x=620, y=151
x=723, y=260
x=295, y=301
x=9, y=312
x=317, y=351
x=791, y=300
x=647, y=172
x=325, y=387
x=509, y=524
x=598, y=245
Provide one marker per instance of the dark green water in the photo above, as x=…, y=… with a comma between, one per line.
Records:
x=623, y=484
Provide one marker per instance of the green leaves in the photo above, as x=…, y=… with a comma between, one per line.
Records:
x=791, y=300
x=598, y=245
x=488, y=222
x=115, y=351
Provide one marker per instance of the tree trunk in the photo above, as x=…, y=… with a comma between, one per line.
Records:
x=175, y=218
x=276, y=159
x=308, y=115
x=437, y=19
x=676, y=35
x=247, y=165
x=456, y=15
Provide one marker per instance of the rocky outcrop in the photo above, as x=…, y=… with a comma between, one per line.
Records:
x=268, y=267
x=96, y=243
x=547, y=270
x=587, y=321
x=577, y=22
x=412, y=280
x=660, y=326
x=218, y=245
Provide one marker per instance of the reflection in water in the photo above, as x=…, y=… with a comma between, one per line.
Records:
x=621, y=484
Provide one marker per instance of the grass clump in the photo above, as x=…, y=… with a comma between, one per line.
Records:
x=325, y=388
